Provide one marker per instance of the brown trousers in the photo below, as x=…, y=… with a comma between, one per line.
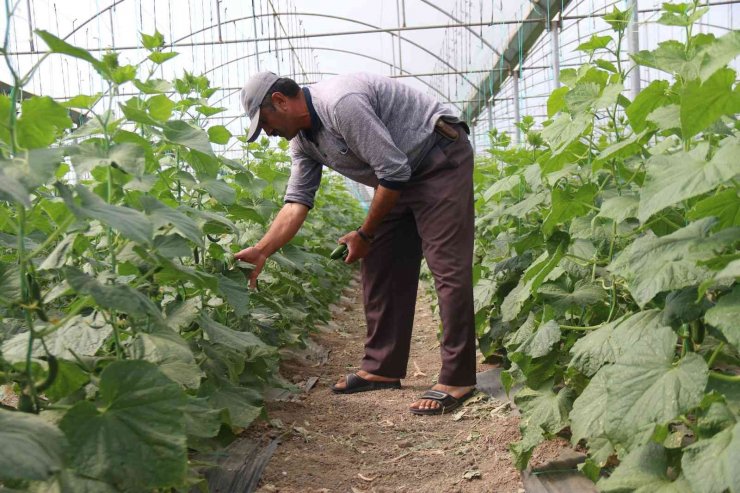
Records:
x=434, y=217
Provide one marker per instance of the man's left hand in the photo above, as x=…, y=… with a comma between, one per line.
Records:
x=358, y=248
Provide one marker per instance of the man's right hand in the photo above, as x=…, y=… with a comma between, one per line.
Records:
x=256, y=257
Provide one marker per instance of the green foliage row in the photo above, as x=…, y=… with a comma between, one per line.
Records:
x=127, y=329
x=607, y=264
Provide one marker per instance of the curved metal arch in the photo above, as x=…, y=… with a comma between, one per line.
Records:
x=339, y=51
x=347, y=19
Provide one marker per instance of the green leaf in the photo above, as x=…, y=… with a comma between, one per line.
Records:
x=619, y=208
x=583, y=294
x=670, y=56
x=673, y=178
x=218, y=134
x=244, y=342
x=618, y=19
x=541, y=341
x=703, y=103
x=137, y=440
x=243, y=404
x=648, y=100
x=236, y=295
x=171, y=354
x=160, y=107
x=82, y=336
x=70, y=378
x=42, y=120
x=556, y=101
x=220, y=191
x=567, y=204
x=181, y=315
x=719, y=53
x=606, y=344
x=595, y=43
x=209, y=110
x=131, y=223
x=153, y=41
x=566, y=130
x=162, y=216
x=644, y=470
x=653, y=264
x=181, y=132
x=160, y=57
x=543, y=412
x=122, y=74
x=57, y=45
x=725, y=206
x=725, y=315
x=32, y=447
x=83, y=102
x=710, y=465
x=587, y=419
x=119, y=297
x=88, y=156
x=541, y=270
x=645, y=388
x=153, y=86
x=135, y=110
x=201, y=420
x=582, y=97
x=666, y=117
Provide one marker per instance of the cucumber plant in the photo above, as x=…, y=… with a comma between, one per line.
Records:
x=127, y=328
x=607, y=264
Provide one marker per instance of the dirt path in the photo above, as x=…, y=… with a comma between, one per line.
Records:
x=370, y=442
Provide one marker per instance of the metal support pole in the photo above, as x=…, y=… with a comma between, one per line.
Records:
x=633, y=45
x=555, y=47
x=472, y=132
x=517, y=116
x=398, y=37
x=490, y=114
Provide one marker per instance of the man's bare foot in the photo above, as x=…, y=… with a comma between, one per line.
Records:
x=341, y=384
x=428, y=404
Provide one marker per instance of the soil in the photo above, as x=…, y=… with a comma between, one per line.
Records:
x=370, y=442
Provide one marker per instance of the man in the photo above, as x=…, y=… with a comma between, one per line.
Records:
x=417, y=156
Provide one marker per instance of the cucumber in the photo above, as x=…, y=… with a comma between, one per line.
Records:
x=339, y=252
x=51, y=376
x=697, y=332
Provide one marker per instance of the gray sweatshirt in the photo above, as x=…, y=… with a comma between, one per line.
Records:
x=366, y=127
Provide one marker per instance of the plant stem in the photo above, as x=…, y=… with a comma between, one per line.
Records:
x=576, y=327
x=50, y=239
x=715, y=353
x=724, y=377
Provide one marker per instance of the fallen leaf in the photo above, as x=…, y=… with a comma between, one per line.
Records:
x=472, y=474
x=459, y=415
x=365, y=478
x=418, y=372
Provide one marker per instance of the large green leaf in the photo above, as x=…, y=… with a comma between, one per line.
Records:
x=544, y=268
x=127, y=156
x=129, y=222
x=543, y=412
x=644, y=470
x=725, y=316
x=703, y=103
x=725, y=206
x=620, y=207
x=243, y=404
x=244, y=342
x=220, y=190
x=57, y=45
x=677, y=177
x=236, y=294
x=653, y=264
x=81, y=335
x=31, y=448
x=653, y=96
x=711, y=466
x=160, y=107
x=137, y=440
x=171, y=354
x=646, y=388
x=162, y=216
x=566, y=130
x=581, y=295
x=42, y=120
x=121, y=297
x=567, y=204
x=587, y=419
x=540, y=341
x=181, y=132
x=719, y=53
x=218, y=134
x=606, y=344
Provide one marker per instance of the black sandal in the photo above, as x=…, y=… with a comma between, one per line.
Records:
x=446, y=401
x=355, y=383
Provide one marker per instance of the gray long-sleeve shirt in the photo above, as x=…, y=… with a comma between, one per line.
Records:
x=367, y=127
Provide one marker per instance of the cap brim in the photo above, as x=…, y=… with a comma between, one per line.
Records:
x=254, y=127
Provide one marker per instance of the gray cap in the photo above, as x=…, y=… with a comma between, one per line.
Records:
x=252, y=94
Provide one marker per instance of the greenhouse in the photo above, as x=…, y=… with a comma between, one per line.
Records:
x=370, y=246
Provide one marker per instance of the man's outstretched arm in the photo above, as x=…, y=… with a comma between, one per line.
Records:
x=285, y=226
